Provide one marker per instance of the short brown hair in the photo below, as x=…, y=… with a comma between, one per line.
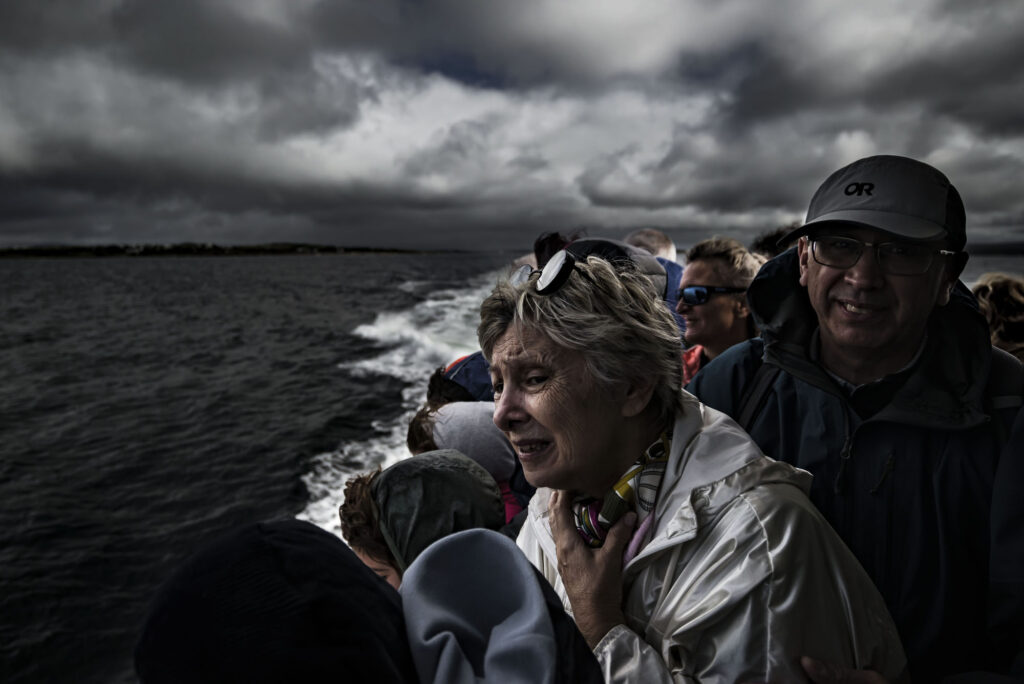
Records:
x=359, y=519
x=420, y=436
x=737, y=264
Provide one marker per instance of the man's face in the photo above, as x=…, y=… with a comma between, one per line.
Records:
x=718, y=322
x=865, y=311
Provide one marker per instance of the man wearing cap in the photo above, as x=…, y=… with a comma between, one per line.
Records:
x=874, y=372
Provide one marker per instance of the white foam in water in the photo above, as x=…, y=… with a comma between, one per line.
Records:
x=433, y=333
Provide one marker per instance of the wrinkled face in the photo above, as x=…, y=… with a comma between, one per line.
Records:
x=564, y=427
x=718, y=321
x=386, y=571
x=862, y=310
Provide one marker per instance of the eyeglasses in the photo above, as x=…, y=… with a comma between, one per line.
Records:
x=699, y=294
x=554, y=274
x=895, y=258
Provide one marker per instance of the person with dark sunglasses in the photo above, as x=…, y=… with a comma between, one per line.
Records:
x=712, y=300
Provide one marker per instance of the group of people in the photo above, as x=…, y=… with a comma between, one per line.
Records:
x=808, y=467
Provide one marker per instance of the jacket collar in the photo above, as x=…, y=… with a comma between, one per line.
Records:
x=712, y=462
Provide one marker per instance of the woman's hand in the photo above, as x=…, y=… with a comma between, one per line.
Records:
x=592, y=577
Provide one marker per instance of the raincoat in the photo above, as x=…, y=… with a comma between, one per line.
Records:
x=741, y=575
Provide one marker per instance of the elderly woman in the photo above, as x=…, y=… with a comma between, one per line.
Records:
x=683, y=553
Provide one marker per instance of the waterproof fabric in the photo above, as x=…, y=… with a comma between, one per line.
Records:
x=693, y=361
x=474, y=374
x=673, y=274
x=274, y=602
x=908, y=489
x=468, y=427
x=1007, y=572
x=741, y=577
x=426, y=497
x=476, y=611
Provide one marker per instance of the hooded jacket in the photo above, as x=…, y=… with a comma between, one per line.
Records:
x=741, y=575
x=429, y=496
x=909, y=486
x=477, y=611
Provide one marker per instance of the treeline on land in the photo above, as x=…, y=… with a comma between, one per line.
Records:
x=209, y=249
x=186, y=249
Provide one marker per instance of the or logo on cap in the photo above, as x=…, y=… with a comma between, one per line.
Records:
x=859, y=189
x=905, y=197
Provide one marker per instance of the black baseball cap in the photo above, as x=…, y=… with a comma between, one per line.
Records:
x=898, y=195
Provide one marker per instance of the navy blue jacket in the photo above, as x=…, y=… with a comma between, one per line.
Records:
x=908, y=487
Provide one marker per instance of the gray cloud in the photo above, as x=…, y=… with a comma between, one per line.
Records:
x=459, y=123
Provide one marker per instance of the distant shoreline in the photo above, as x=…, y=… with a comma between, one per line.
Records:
x=279, y=248
x=197, y=249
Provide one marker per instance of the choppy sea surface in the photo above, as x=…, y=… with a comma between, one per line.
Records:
x=147, y=405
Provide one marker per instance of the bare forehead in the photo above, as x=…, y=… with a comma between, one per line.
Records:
x=704, y=272
x=523, y=348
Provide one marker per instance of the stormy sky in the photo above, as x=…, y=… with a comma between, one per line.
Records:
x=478, y=124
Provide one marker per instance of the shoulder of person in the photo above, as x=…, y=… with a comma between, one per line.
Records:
x=721, y=383
x=1004, y=392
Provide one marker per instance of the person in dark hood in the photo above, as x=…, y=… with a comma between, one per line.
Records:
x=279, y=601
x=874, y=371
x=285, y=601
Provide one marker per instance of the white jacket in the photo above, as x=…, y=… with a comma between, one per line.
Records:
x=741, y=577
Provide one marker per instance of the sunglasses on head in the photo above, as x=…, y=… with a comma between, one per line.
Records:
x=699, y=294
x=554, y=274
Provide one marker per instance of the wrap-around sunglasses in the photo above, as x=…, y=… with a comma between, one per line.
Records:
x=699, y=294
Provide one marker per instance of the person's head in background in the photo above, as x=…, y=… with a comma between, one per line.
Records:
x=551, y=242
x=712, y=294
x=468, y=427
x=767, y=243
x=654, y=241
x=361, y=530
x=1001, y=300
x=389, y=516
x=442, y=390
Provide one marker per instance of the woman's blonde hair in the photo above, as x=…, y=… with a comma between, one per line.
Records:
x=608, y=315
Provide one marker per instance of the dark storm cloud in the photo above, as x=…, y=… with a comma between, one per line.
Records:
x=979, y=84
x=306, y=104
x=415, y=121
x=734, y=179
x=205, y=42
x=52, y=27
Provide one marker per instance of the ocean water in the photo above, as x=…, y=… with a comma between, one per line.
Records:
x=147, y=405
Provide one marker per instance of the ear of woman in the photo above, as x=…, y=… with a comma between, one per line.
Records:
x=637, y=397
